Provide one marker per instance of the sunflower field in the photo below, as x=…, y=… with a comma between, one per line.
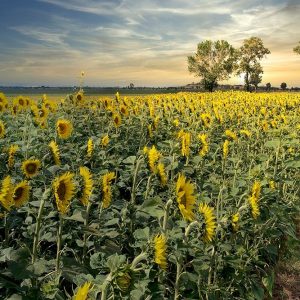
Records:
x=172, y=196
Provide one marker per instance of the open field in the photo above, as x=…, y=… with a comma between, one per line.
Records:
x=161, y=196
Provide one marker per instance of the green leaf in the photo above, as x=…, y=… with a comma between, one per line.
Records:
x=268, y=283
x=130, y=160
x=115, y=261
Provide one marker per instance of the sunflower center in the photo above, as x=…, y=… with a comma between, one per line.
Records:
x=62, y=127
x=42, y=113
x=116, y=120
x=61, y=190
x=31, y=168
x=18, y=193
x=79, y=97
x=21, y=102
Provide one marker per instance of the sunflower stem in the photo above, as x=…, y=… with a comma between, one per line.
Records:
x=36, y=238
x=85, y=236
x=148, y=187
x=106, y=282
x=133, y=189
x=59, y=241
x=178, y=271
x=166, y=214
x=6, y=229
x=138, y=259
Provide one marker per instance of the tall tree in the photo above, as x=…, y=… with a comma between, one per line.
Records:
x=251, y=52
x=256, y=75
x=213, y=61
x=268, y=86
x=297, y=49
x=283, y=85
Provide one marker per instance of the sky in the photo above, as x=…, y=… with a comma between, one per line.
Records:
x=145, y=42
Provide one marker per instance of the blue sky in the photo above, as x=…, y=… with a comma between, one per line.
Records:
x=115, y=42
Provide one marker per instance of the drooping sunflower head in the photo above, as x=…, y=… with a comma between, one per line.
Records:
x=117, y=119
x=209, y=222
x=160, y=249
x=64, y=190
x=185, y=197
x=225, y=149
x=11, y=155
x=6, y=193
x=55, y=152
x=88, y=184
x=124, y=279
x=162, y=174
x=105, y=141
x=82, y=292
x=31, y=167
x=64, y=128
x=153, y=157
x=2, y=130
x=106, y=188
x=21, y=193
x=90, y=148
x=231, y=135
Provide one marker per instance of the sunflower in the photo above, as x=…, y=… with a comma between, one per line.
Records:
x=6, y=193
x=185, y=143
x=206, y=119
x=64, y=128
x=204, y=144
x=231, y=135
x=209, y=221
x=160, y=249
x=246, y=133
x=31, y=167
x=11, y=155
x=254, y=199
x=234, y=221
x=82, y=292
x=124, y=110
x=153, y=157
x=90, y=148
x=117, y=119
x=105, y=141
x=88, y=184
x=185, y=198
x=106, y=188
x=225, y=149
x=2, y=130
x=55, y=152
x=64, y=190
x=162, y=174
x=124, y=280
x=21, y=193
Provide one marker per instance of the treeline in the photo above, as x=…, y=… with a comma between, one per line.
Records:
x=216, y=61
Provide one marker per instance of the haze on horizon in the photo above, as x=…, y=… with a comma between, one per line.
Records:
x=116, y=42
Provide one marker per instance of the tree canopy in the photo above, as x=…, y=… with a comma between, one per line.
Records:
x=213, y=62
x=250, y=53
x=297, y=49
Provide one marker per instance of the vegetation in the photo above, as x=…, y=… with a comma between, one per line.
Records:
x=172, y=196
x=297, y=49
x=213, y=61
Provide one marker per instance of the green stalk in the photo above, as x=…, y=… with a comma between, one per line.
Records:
x=36, y=238
x=59, y=242
x=138, y=259
x=166, y=214
x=178, y=271
x=148, y=186
x=6, y=234
x=85, y=236
x=107, y=281
x=133, y=189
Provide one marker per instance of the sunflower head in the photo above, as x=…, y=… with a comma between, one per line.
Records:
x=2, y=130
x=31, y=167
x=82, y=292
x=160, y=249
x=64, y=190
x=55, y=152
x=209, y=222
x=105, y=141
x=88, y=184
x=64, y=128
x=6, y=193
x=117, y=119
x=21, y=193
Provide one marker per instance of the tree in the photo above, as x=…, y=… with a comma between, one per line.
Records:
x=297, y=49
x=268, y=86
x=251, y=52
x=283, y=86
x=256, y=75
x=213, y=61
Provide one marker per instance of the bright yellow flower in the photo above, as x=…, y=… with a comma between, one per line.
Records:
x=55, y=152
x=2, y=130
x=206, y=119
x=64, y=128
x=204, y=145
x=209, y=221
x=231, y=135
x=254, y=199
x=185, y=198
x=124, y=110
x=245, y=132
x=162, y=174
x=64, y=190
x=82, y=292
x=106, y=188
x=90, y=148
x=105, y=141
x=185, y=144
x=88, y=184
x=225, y=149
x=11, y=155
x=272, y=185
x=234, y=221
x=6, y=193
x=31, y=167
x=160, y=248
x=21, y=193
x=153, y=157
x=117, y=120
